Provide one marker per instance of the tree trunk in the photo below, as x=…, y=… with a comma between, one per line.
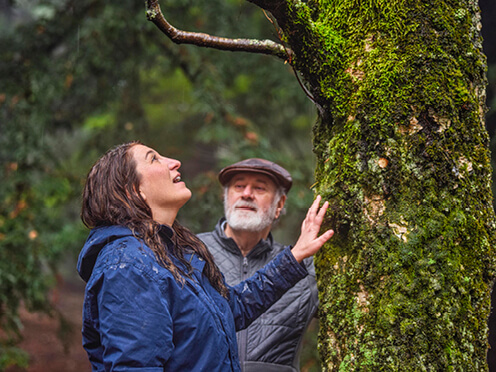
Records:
x=403, y=159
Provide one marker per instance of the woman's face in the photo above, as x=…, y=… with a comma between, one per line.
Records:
x=160, y=183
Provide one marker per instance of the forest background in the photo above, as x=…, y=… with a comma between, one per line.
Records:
x=78, y=77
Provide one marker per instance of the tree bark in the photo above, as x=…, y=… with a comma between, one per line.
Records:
x=403, y=159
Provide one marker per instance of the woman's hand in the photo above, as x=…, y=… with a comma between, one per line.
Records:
x=309, y=242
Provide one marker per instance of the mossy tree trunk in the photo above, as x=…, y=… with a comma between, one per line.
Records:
x=402, y=157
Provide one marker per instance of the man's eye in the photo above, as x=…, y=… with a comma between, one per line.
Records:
x=154, y=158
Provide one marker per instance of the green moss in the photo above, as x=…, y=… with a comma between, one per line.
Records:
x=403, y=159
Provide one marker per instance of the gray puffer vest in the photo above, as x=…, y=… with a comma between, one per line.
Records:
x=271, y=343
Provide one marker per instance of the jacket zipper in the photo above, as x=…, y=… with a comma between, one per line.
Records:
x=245, y=267
x=243, y=335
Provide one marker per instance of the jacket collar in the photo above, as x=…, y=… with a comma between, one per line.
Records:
x=198, y=263
x=166, y=233
x=263, y=246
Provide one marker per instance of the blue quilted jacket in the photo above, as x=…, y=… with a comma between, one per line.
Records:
x=137, y=317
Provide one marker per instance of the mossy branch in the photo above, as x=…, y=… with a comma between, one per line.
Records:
x=269, y=47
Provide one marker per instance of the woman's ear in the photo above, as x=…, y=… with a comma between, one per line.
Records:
x=128, y=194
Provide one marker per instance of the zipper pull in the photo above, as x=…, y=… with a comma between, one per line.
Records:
x=245, y=265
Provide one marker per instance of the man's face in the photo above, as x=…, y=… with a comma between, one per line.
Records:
x=251, y=202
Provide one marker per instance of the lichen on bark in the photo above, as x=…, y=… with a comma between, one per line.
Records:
x=403, y=159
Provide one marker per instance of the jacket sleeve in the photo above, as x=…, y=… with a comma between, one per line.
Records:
x=250, y=298
x=136, y=326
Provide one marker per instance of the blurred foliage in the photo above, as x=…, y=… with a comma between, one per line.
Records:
x=79, y=77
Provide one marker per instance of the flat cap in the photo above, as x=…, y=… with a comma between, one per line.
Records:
x=278, y=174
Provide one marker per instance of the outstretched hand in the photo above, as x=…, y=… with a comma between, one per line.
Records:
x=309, y=242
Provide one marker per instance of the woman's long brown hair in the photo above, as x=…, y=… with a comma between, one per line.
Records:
x=110, y=197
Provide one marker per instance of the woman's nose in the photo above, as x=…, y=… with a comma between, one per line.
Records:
x=173, y=164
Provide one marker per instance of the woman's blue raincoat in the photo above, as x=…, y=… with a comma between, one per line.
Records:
x=137, y=317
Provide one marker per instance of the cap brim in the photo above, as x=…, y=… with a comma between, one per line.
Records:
x=226, y=175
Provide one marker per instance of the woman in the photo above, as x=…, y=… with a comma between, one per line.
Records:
x=154, y=298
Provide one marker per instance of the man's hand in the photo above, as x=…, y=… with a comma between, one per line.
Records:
x=309, y=242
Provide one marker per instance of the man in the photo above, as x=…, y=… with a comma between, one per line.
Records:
x=254, y=195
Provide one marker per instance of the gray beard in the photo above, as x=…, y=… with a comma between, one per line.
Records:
x=249, y=220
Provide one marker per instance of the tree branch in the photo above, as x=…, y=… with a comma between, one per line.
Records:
x=154, y=14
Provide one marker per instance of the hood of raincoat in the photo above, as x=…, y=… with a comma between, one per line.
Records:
x=97, y=239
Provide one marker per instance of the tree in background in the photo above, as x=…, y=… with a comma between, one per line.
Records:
x=403, y=158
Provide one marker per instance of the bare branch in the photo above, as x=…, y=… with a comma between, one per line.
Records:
x=154, y=14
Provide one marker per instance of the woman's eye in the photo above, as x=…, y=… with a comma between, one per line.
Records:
x=154, y=158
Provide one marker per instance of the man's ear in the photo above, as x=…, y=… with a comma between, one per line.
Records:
x=280, y=206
